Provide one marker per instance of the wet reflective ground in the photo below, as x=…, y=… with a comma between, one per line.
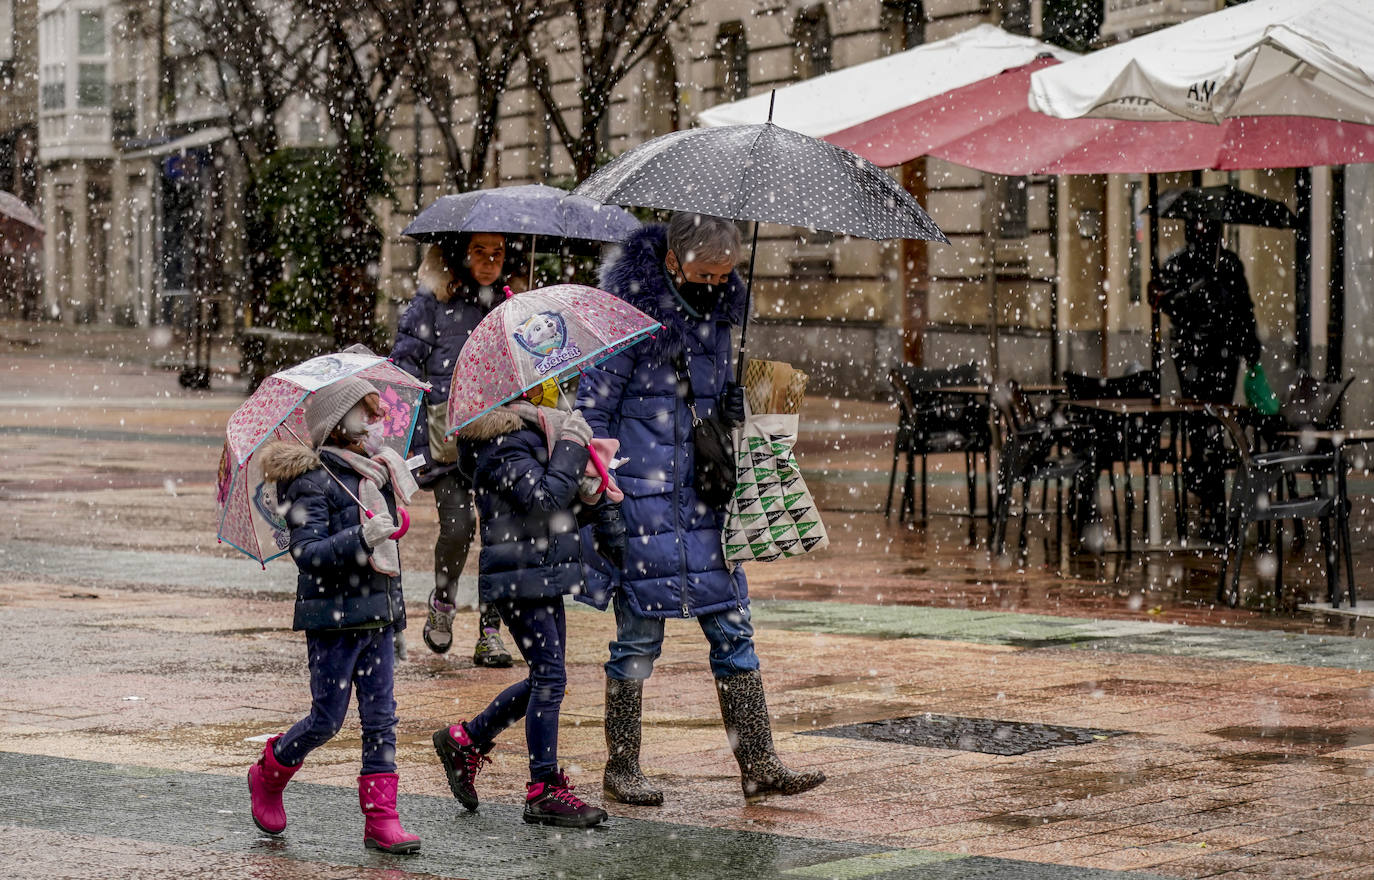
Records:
x=141, y=652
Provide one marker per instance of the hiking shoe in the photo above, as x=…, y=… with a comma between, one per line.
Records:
x=462, y=761
x=553, y=803
x=491, y=651
x=439, y=625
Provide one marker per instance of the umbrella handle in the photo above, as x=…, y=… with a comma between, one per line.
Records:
x=403, y=516
x=600, y=469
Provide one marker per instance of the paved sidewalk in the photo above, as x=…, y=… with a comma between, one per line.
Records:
x=1195, y=756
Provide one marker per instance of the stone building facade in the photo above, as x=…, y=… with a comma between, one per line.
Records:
x=20, y=276
x=123, y=140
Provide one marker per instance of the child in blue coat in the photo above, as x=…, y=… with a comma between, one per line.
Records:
x=528, y=464
x=348, y=600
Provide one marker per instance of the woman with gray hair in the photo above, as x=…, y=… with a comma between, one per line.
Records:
x=672, y=564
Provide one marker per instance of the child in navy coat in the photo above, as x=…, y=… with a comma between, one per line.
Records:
x=348, y=600
x=529, y=465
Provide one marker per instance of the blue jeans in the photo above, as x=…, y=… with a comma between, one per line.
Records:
x=539, y=629
x=340, y=661
x=639, y=641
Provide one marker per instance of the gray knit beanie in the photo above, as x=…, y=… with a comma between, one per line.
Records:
x=327, y=407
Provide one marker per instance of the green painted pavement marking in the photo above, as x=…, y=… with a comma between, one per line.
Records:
x=1040, y=631
x=874, y=863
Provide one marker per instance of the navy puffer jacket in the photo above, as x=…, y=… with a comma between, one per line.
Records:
x=527, y=505
x=674, y=566
x=337, y=587
x=429, y=337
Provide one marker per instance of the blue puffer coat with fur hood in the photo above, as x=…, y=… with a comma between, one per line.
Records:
x=337, y=587
x=674, y=565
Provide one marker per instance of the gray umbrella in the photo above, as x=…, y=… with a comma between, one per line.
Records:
x=533, y=209
x=766, y=174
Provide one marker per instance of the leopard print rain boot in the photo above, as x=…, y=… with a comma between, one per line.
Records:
x=745, y=711
x=623, y=781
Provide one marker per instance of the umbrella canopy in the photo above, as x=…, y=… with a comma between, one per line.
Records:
x=989, y=126
x=763, y=173
x=547, y=333
x=249, y=520
x=533, y=209
x=1223, y=204
x=853, y=95
x=1261, y=58
x=19, y=225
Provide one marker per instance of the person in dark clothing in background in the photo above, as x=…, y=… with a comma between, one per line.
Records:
x=459, y=282
x=1202, y=289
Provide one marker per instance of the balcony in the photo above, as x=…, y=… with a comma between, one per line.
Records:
x=1127, y=18
x=73, y=72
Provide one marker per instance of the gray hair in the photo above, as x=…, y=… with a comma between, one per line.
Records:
x=694, y=237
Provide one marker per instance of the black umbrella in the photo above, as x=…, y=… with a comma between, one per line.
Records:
x=1223, y=204
x=765, y=174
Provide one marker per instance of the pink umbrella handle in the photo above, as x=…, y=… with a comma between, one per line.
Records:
x=402, y=515
x=600, y=469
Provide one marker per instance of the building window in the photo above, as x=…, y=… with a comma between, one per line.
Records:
x=6, y=30
x=659, y=92
x=1015, y=220
x=903, y=23
x=1016, y=16
x=92, y=90
x=813, y=43
x=734, y=61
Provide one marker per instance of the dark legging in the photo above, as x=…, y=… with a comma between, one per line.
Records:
x=457, y=526
x=539, y=629
x=341, y=661
x=1213, y=380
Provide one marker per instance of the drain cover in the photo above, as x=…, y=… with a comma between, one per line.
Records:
x=986, y=735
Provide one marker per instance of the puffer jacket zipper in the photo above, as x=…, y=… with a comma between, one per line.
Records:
x=679, y=474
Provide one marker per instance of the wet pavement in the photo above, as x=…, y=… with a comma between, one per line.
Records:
x=146, y=662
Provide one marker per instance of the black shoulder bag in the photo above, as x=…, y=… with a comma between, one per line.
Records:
x=716, y=473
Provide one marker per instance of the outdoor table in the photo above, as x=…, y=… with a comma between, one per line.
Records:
x=1338, y=440
x=1042, y=389
x=1155, y=411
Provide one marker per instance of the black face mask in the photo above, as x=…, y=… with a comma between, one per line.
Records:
x=701, y=297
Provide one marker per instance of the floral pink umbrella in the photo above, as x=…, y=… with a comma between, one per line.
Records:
x=542, y=334
x=250, y=521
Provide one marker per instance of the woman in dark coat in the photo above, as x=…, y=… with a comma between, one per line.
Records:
x=682, y=275
x=459, y=282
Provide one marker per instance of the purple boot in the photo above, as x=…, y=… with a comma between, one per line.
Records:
x=382, y=827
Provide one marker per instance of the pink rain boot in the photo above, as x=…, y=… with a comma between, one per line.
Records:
x=266, y=779
x=382, y=829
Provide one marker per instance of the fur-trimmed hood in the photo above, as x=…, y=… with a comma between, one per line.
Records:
x=435, y=276
x=500, y=421
x=283, y=460
x=637, y=276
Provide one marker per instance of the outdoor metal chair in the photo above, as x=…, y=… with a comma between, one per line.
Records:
x=1110, y=435
x=1033, y=448
x=931, y=422
x=1259, y=496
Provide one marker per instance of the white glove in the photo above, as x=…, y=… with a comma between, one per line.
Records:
x=377, y=530
x=398, y=642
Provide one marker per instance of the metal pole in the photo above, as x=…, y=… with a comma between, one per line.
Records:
x=748, y=304
x=1156, y=340
x=1053, y=206
x=1302, y=275
x=1335, y=321
x=991, y=221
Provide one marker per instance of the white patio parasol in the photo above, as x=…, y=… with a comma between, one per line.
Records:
x=1261, y=58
